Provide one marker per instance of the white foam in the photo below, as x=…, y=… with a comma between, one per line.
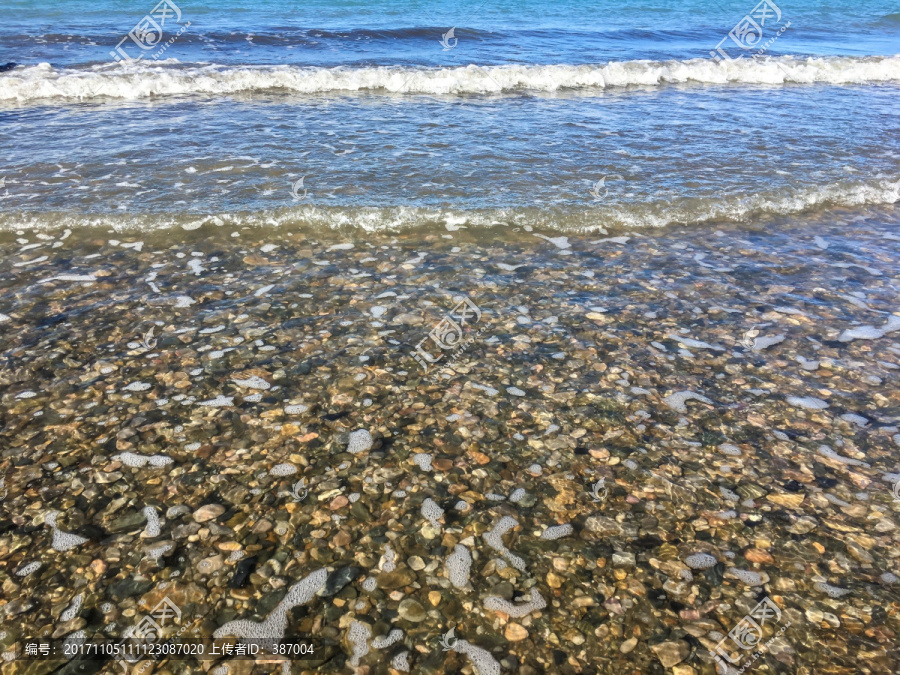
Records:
x=423, y=461
x=273, y=627
x=152, y=529
x=388, y=560
x=557, y=531
x=516, y=609
x=283, y=470
x=458, y=566
x=748, y=577
x=360, y=441
x=391, y=638
x=831, y=591
x=632, y=215
x=62, y=541
x=358, y=635
x=432, y=512
x=136, y=461
x=73, y=609
x=138, y=386
x=253, y=382
x=677, y=400
x=481, y=659
x=870, y=332
x=138, y=80
x=30, y=568
x=218, y=402
x=494, y=539
x=401, y=662
x=700, y=561
x=517, y=495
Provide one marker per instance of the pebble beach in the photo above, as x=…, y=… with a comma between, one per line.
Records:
x=638, y=437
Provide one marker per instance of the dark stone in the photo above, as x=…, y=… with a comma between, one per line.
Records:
x=242, y=572
x=826, y=483
x=7, y=67
x=331, y=417
x=127, y=588
x=338, y=579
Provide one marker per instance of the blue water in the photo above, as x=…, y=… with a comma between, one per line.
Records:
x=489, y=32
x=391, y=121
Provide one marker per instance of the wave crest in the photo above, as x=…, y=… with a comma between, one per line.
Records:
x=685, y=211
x=140, y=80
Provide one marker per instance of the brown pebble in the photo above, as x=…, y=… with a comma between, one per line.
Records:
x=442, y=464
x=758, y=556
x=338, y=502
x=514, y=632
x=208, y=512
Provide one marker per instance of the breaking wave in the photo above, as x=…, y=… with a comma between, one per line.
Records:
x=685, y=211
x=141, y=80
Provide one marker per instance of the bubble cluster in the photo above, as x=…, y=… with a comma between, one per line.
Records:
x=136, y=461
x=62, y=541
x=481, y=659
x=152, y=529
x=387, y=563
x=432, y=512
x=253, y=382
x=137, y=386
x=273, y=627
x=360, y=441
x=73, y=609
x=700, y=561
x=458, y=565
x=358, y=636
x=746, y=576
x=391, y=638
x=494, y=539
x=401, y=662
x=831, y=591
x=557, y=531
x=516, y=609
x=423, y=461
x=25, y=570
x=283, y=470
